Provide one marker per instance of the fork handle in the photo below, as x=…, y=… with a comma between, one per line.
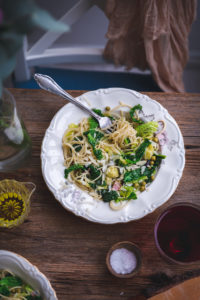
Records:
x=48, y=84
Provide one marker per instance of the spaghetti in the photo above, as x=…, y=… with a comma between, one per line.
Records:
x=112, y=167
x=14, y=288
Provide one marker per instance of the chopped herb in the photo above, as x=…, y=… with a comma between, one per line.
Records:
x=73, y=168
x=132, y=112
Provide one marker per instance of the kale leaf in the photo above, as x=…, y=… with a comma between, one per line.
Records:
x=94, y=137
x=94, y=172
x=33, y=297
x=132, y=175
x=10, y=281
x=4, y=291
x=77, y=147
x=132, y=112
x=98, y=112
x=93, y=123
x=73, y=168
x=127, y=193
x=137, y=174
x=133, y=158
x=108, y=196
x=98, y=153
x=141, y=149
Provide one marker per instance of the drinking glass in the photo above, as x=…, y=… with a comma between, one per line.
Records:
x=177, y=233
x=15, y=143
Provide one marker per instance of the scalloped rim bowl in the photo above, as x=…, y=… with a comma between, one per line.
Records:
x=27, y=272
x=80, y=202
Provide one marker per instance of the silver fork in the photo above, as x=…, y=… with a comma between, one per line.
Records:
x=48, y=84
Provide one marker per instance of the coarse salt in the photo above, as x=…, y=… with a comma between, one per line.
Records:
x=123, y=261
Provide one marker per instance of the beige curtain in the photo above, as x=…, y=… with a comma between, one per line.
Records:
x=151, y=34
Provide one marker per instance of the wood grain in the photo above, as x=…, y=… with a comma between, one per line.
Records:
x=71, y=251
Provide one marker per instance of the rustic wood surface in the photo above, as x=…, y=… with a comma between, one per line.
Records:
x=71, y=251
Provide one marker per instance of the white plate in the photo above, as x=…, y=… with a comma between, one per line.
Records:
x=27, y=272
x=82, y=204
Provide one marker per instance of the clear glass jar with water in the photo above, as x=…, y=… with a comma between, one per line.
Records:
x=15, y=143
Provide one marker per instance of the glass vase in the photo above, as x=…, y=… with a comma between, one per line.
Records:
x=15, y=143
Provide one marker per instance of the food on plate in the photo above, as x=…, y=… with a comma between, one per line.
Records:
x=13, y=287
x=113, y=167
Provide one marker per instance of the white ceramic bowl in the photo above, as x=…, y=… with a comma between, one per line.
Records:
x=81, y=203
x=27, y=272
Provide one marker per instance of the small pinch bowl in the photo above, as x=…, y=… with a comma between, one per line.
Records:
x=14, y=202
x=132, y=248
x=28, y=273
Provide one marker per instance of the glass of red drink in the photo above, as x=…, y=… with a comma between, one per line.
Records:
x=177, y=233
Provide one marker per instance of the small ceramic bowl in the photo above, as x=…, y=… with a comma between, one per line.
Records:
x=28, y=273
x=130, y=247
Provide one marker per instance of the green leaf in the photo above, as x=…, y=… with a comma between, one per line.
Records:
x=11, y=281
x=4, y=291
x=132, y=112
x=93, y=124
x=94, y=172
x=109, y=196
x=43, y=19
x=94, y=137
x=147, y=130
x=127, y=140
x=33, y=297
x=141, y=149
x=128, y=193
x=98, y=153
x=132, y=175
x=98, y=112
x=131, y=159
x=73, y=168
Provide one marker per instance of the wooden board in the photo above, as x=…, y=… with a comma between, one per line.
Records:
x=71, y=251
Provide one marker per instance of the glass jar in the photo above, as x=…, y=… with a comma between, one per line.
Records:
x=15, y=143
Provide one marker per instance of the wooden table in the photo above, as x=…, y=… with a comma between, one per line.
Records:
x=71, y=251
